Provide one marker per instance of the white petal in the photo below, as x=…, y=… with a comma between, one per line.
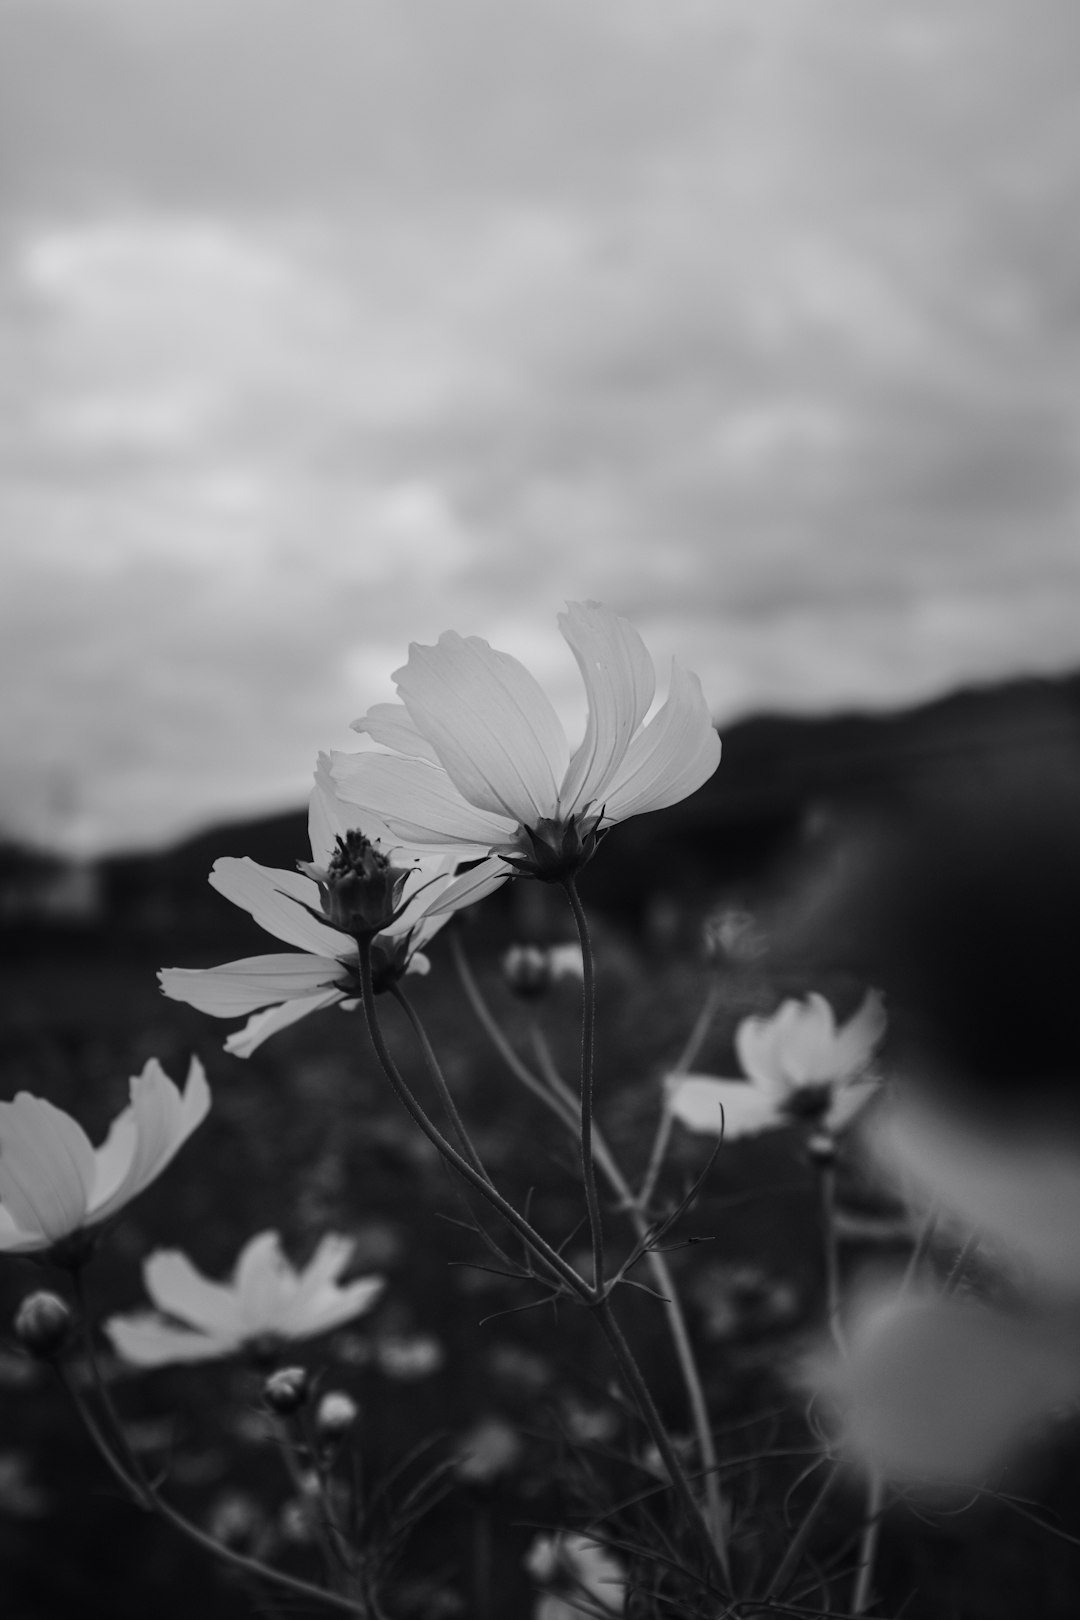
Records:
x=254, y=982
x=620, y=682
x=13, y=1240
x=146, y=1341
x=757, y=1046
x=331, y=1307
x=179, y=1289
x=848, y=1100
x=856, y=1041
x=417, y=963
x=675, y=753
x=320, y=1274
x=163, y=1121
x=807, y=1041
x=470, y=887
x=46, y=1167
x=244, y=1041
x=391, y=724
x=419, y=803
x=725, y=1108
x=491, y=724
x=265, y=1282
x=277, y=901
x=330, y=817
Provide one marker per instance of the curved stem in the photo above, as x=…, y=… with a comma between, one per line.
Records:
x=435, y=1070
x=142, y=1490
x=550, y=1258
x=588, y=1051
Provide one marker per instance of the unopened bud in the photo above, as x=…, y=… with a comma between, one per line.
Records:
x=822, y=1149
x=335, y=1414
x=526, y=970
x=286, y=1390
x=43, y=1324
x=360, y=888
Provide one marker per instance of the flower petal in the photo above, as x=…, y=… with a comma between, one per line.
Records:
x=265, y=1282
x=848, y=1100
x=13, y=1240
x=330, y=817
x=856, y=1040
x=757, y=1046
x=244, y=1041
x=332, y=1306
x=146, y=1341
x=46, y=1167
x=253, y=982
x=163, y=1120
x=179, y=1289
x=620, y=682
x=491, y=724
x=392, y=725
x=725, y=1108
x=807, y=1041
x=277, y=901
x=470, y=887
x=675, y=753
x=419, y=803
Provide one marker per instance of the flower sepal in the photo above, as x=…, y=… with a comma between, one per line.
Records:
x=360, y=888
x=554, y=849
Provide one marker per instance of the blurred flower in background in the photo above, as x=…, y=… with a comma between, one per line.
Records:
x=573, y=1565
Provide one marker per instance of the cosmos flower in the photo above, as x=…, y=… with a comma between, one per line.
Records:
x=303, y=909
x=475, y=760
x=266, y=1304
x=54, y=1184
x=579, y=1568
x=800, y=1068
x=939, y=1392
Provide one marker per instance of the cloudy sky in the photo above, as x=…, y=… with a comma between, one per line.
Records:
x=326, y=325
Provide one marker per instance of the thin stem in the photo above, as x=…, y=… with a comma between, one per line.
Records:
x=491, y=1029
x=797, y=1545
x=551, y=1259
x=652, y=1420
x=827, y=1188
x=435, y=1070
x=588, y=1051
x=952, y=1281
x=250, y=1566
x=294, y=1467
x=682, y=1065
x=868, y=1544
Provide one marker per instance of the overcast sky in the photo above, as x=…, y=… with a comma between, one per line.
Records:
x=326, y=325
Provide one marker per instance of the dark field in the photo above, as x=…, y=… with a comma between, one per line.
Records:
x=305, y=1137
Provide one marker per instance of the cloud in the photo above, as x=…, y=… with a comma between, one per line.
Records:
x=322, y=331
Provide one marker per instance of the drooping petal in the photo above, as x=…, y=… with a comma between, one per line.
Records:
x=277, y=901
x=146, y=1341
x=725, y=1108
x=856, y=1040
x=264, y=1281
x=241, y=987
x=670, y=758
x=419, y=803
x=619, y=682
x=46, y=1167
x=392, y=725
x=244, y=1041
x=179, y=1289
x=491, y=724
x=163, y=1120
x=470, y=887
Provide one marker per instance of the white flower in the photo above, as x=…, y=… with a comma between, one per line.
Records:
x=54, y=1183
x=266, y=1302
x=799, y=1067
x=581, y=1568
x=289, y=905
x=936, y=1391
x=477, y=760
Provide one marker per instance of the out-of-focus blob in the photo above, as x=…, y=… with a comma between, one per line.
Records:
x=940, y=1393
x=1018, y=1191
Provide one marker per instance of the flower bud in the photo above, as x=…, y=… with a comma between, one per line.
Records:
x=526, y=971
x=360, y=889
x=335, y=1414
x=43, y=1324
x=286, y=1391
x=822, y=1149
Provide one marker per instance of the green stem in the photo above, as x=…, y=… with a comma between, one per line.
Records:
x=868, y=1545
x=435, y=1070
x=552, y=1261
x=588, y=1051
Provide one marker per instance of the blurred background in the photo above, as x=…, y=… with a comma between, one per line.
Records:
x=327, y=325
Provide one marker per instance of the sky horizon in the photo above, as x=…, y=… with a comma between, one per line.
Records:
x=323, y=330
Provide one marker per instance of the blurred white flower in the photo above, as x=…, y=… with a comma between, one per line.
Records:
x=54, y=1183
x=1020, y=1192
x=939, y=1392
x=289, y=905
x=267, y=1303
x=530, y=970
x=477, y=761
x=800, y=1068
x=579, y=1568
